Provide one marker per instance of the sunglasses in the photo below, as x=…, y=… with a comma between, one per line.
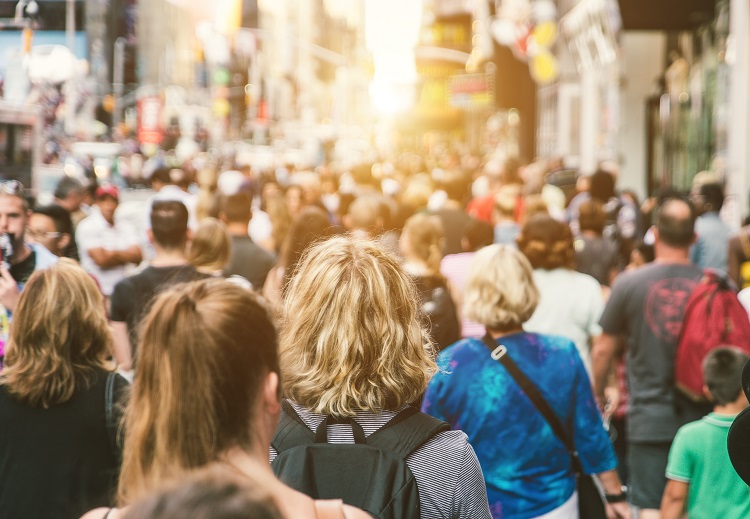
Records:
x=37, y=234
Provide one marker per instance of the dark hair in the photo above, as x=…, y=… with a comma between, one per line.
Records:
x=547, y=243
x=236, y=208
x=675, y=230
x=455, y=185
x=362, y=174
x=58, y=215
x=511, y=171
x=311, y=225
x=478, y=234
x=67, y=185
x=645, y=250
x=161, y=174
x=169, y=223
x=591, y=216
x=211, y=493
x=722, y=373
x=602, y=186
x=713, y=194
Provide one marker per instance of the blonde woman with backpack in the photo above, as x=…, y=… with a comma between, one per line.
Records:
x=355, y=359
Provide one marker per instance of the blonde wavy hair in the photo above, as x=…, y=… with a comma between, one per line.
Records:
x=55, y=349
x=211, y=247
x=500, y=292
x=204, y=352
x=350, y=337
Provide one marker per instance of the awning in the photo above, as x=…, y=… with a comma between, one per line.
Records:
x=665, y=15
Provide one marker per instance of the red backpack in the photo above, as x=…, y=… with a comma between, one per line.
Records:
x=713, y=317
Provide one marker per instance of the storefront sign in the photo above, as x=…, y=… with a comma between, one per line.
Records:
x=149, y=120
x=471, y=91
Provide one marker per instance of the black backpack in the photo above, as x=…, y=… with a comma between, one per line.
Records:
x=439, y=310
x=370, y=474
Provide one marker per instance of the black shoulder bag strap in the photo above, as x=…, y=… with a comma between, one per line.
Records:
x=499, y=353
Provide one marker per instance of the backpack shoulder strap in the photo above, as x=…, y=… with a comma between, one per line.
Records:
x=292, y=431
x=406, y=432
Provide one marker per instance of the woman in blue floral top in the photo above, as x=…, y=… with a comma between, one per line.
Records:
x=526, y=467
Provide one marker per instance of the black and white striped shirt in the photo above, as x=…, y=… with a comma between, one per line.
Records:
x=448, y=475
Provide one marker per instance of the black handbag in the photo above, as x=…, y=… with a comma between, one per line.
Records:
x=590, y=499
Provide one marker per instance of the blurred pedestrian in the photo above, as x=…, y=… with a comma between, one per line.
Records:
x=51, y=227
x=20, y=259
x=455, y=268
x=210, y=248
x=311, y=225
x=595, y=255
x=132, y=297
x=712, y=233
x=506, y=226
x=69, y=194
x=452, y=215
x=107, y=245
x=570, y=303
x=216, y=492
x=421, y=244
x=647, y=306
x=247, y=258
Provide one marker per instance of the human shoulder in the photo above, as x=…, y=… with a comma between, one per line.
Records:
x=351, y=512
x=551, y=343
x=88, y=223
x=44, y=258
x=462, y=259
x=247, y=244
x=468, y=347
x=450, y=477
x=102, y=513
x=691, y=434
x=585, y=280
x=445, y=443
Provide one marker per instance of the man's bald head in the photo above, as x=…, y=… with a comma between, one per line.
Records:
x=675, y=223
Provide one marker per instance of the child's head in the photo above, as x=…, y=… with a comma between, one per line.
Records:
x=722, y=373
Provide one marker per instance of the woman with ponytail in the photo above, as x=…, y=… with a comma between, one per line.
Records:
x=206, y=392
x=422, y=244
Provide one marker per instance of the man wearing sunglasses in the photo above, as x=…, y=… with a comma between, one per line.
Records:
x=23, y=257
x=51, y=226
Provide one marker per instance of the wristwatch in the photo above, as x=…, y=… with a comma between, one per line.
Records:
x=617, y=498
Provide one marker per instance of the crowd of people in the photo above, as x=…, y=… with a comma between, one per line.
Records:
x=347, y=343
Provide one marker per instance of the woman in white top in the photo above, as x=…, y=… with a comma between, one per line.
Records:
x=570, y=302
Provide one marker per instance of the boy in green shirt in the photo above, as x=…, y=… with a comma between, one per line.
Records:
x=701, y=479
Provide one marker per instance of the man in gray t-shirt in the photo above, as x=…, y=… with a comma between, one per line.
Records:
x=647, y=308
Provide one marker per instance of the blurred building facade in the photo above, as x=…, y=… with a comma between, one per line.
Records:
x=661, y=91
